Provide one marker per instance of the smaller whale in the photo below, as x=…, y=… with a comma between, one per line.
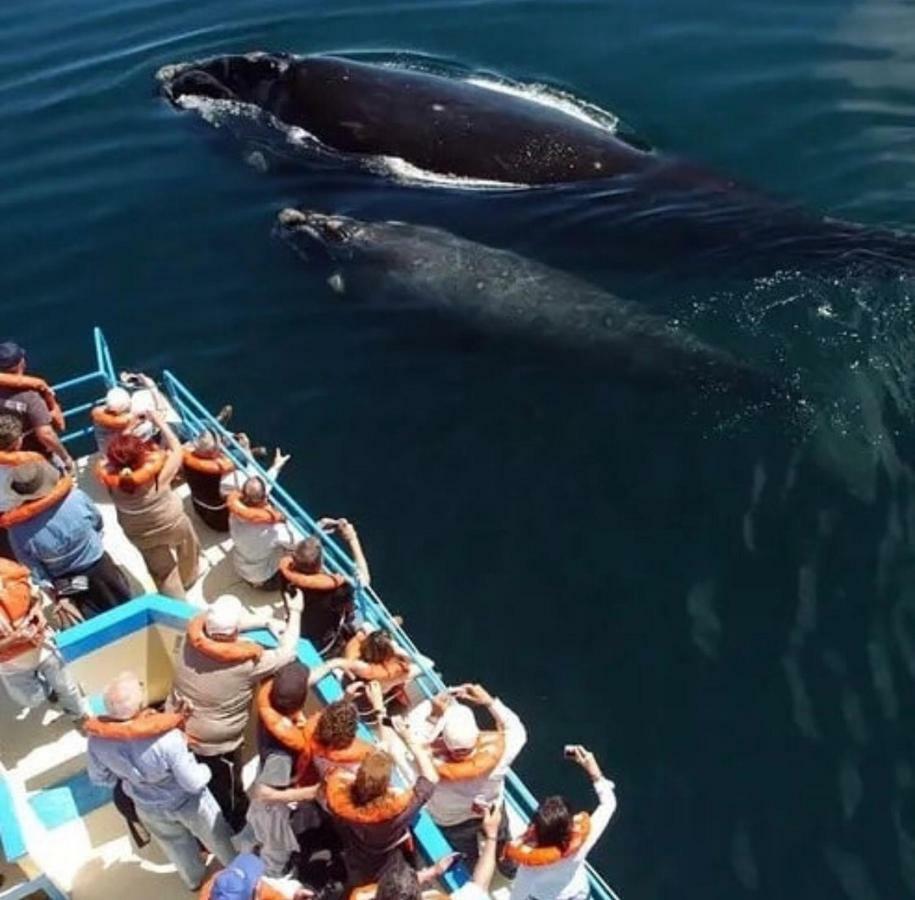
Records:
x=499, y=292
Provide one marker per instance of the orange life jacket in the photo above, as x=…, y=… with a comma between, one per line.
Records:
x=288, y=730
x=394, y=671
x=255, y=515
x=15, y=604
x=486, y=754
x=146, y=724
x=319, y=581
x=340, y=801
x=40, y=386
x=525, y=852
x=130, y=479
x=110, y=421
x=31, y=508
x=231, y=652
x=209, y=465
x=19, y=457
x=345, y=757
x=263, y=891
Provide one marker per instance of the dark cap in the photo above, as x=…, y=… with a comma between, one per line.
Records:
x=290, y=688
x=11, y=354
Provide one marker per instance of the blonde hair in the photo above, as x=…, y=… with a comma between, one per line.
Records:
x=373, y=778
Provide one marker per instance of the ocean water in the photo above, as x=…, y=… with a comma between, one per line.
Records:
x=718, y=599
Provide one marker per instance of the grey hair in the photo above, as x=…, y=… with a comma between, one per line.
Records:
x=124, y=697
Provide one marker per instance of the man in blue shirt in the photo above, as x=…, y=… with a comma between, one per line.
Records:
x=148, y=754
x=62, y=544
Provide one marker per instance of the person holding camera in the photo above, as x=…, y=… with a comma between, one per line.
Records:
x=551, y=855
x=139, y=477
x=217, y=671
x=471, y=762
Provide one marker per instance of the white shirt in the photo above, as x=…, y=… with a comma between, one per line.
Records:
x=568, y=878
x=257, y=548
x=452, y=802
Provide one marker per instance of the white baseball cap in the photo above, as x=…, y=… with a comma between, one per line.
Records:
x=224, y=616
x=460, y=731
x=117, y=400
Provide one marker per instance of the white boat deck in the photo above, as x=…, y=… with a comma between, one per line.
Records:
x=91, y=857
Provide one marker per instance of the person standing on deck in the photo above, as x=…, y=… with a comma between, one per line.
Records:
x=147, y=752
x=56, y=530
x=31, y=667
x=217, y=673
x=552, y=855
x=260, y=533
x=472, y=764
x=328, y=619
x=206, y=464
x=139, y=478
x=32, y=400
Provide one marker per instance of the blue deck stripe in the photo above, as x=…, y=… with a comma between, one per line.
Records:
x=11, y=839
x=67, y=800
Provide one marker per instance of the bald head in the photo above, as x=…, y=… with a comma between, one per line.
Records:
x=254, y=492
x=124, y=697
x=206, y=445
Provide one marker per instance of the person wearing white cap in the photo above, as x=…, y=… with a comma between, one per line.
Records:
x=472, y=763
x=217, y=671
x=111, y=417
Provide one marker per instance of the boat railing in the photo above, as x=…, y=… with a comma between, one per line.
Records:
x=196, y=418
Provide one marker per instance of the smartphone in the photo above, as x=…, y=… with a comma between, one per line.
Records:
x=479, y=804
x=569, y=751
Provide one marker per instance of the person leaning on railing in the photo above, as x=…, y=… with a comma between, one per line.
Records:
x=552, y=854
x=139, y=478
x=33, y=401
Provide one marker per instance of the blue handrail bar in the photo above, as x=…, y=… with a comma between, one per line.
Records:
x=195, y=415
x=192, y=412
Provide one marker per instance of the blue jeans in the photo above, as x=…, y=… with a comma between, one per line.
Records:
x=31, y=687
x=177, y=832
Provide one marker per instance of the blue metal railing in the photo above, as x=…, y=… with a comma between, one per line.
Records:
x=196, y=418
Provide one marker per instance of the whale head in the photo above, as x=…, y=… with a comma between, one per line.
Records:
x=247, y=78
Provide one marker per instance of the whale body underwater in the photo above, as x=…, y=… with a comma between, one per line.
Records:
x=465, y=134
x=497, y=292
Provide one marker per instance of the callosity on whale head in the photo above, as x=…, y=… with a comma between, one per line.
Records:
x=245, y=78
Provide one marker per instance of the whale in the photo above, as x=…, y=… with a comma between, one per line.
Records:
x=493, y=291
x=442, y=125
x=423, y=127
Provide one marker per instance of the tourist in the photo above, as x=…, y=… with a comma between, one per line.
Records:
x=31, y=667
x=57, y=532
x=217, y=672
x=148, y=753
x=372, y=816
x=111, y=417
x=375, y=657
x=401, y=882
x=260, y=532
x=33, y=402
x=205, y=466
x=246, y=878
x=331, y=741
x=552, y=854
x=139, y=478
x=472, y=764
x=328, y=619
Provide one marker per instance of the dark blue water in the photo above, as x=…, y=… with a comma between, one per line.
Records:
x=720, y=601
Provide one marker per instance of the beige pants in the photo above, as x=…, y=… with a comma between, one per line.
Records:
x=173, y=561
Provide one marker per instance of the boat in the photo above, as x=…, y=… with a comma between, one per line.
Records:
x=61, y=835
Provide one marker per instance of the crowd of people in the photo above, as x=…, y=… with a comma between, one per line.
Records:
x=336, y=792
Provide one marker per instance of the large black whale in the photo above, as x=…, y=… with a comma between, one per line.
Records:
x=494, y=291
x=447, y=126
